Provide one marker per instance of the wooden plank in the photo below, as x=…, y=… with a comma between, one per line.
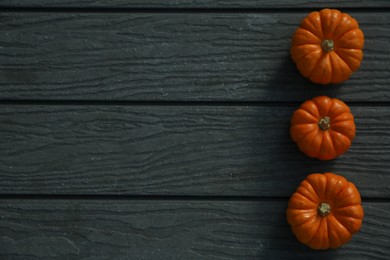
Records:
x=173, y=56
x=176, y=150
x=127, y=229
x=195, y=4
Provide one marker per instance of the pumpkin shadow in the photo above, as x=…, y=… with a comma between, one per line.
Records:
x=286, y=167
x=288, y=246
x=292, y=165
x=287, y=83
x=286, y=163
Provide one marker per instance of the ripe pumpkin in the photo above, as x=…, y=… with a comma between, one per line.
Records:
x=323, y=127
x=325, y=211
x=327, y=47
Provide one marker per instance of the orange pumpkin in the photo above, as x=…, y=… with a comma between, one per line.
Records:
x=325, y=211
x=327, y=47
x=323, y=127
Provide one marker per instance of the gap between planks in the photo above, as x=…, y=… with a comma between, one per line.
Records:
x=175, y=103
x=159, y=198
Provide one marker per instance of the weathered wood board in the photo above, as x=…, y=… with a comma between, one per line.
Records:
x=176, y=150
x=128, y=229
x=210, y=56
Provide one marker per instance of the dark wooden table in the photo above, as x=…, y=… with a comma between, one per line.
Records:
x=148, y=129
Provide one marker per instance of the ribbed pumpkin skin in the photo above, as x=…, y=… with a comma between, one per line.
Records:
x=334, y=66
x=316, y=142
x=336, y=228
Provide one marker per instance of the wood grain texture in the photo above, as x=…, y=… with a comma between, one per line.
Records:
x=173, y=56
x=121, y=229
x=195, y=4
x=176, y=150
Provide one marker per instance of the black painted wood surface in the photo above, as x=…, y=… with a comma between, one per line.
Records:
x=132, y=229
x=160, y=129
x=177, y=150
x=210, y=56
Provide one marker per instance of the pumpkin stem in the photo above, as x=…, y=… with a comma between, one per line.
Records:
x=324, y=123
x=327, y=45
x=323, y=209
